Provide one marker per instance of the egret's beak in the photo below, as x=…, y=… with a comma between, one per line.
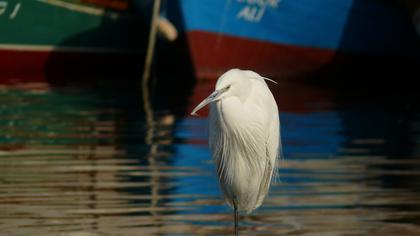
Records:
x=213, y=97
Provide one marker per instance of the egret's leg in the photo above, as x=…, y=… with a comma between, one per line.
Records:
x=236, y=213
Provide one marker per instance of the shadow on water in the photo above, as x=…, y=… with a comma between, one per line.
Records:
x=381, y=87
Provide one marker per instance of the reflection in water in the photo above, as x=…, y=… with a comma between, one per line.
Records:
x=76, y=162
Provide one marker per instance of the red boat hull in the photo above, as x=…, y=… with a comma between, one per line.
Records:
x=40, y=65
x=212, y=54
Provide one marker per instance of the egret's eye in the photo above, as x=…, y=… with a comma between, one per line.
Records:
x=227, y=87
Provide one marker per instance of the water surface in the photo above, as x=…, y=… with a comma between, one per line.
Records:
x=83, y=161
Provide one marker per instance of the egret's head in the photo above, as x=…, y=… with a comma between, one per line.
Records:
x=234, y=82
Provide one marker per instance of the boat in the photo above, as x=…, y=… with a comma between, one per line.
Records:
x=276, y=38
x=292, y=38
x=72, y=36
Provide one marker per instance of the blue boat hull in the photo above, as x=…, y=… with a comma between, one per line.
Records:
x=308, y=32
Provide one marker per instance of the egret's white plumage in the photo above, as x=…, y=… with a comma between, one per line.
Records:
x=244, y=137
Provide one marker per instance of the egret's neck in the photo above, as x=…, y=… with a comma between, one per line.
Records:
x=231, y=112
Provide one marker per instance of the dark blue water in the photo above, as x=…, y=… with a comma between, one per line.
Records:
x=105, y=161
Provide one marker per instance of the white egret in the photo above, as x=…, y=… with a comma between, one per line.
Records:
x=244, y=138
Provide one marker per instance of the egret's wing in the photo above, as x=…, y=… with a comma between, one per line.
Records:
x=274, y=145
x=272, y=155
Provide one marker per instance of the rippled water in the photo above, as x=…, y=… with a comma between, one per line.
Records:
x=83, y=161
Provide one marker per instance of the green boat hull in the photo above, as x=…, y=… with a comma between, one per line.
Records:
x=44, y=24
x=66, y=38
